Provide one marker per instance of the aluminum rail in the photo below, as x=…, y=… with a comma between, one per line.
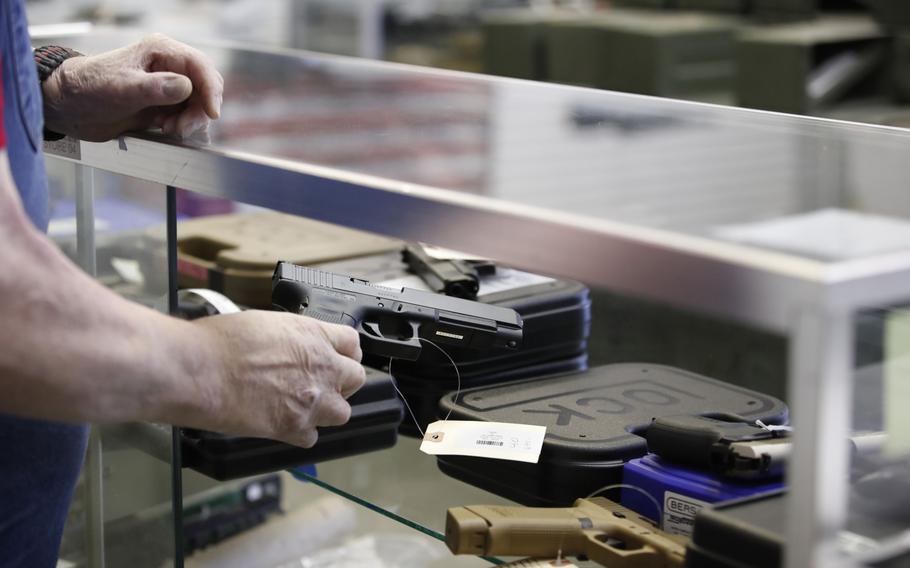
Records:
x=758, y=287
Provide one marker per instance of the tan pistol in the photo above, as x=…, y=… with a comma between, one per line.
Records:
x=597, y=528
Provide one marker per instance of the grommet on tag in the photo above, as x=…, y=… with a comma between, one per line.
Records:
x=434, y=436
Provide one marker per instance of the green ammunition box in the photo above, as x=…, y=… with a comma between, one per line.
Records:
x=639, y=51
x=646, y=3
x=728, y=6
x=900, y=67
x=513, y=44
x=784, y=10
x=893, y=14
x=576, y=54
x=777, y=64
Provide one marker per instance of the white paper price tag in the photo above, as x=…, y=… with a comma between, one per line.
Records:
x=517, y=442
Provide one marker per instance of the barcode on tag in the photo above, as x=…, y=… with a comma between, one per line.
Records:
x=518, y=442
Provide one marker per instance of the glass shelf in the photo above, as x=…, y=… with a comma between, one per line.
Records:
x=402, y=484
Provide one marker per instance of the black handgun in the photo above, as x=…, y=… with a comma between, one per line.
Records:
x=392, y=321
x=726, y=444
x=452, y=277
x=733, y=446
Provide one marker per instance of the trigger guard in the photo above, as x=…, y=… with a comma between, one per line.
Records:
x=372, y=341
x=370, y=328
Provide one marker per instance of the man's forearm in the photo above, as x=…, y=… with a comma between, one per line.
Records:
x=75, y=351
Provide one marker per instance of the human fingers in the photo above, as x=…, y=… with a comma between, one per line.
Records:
x=351, y=376
x=306, y=438
x=167, y=54
x=147, y=90
x=189, y=121
x=333, y=410
x=345, y=340
x=168, y=125
x=158, y=119
x=152, y=117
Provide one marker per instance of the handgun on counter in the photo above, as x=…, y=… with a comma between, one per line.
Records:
x=452, y=277
x=597, y=528
x=391, y=322
x=732, y=446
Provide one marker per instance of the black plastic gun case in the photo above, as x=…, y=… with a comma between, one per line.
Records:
x=591, y=419
x=237, y=255
x=376, y=413
x=556, y=315
x=751, y=533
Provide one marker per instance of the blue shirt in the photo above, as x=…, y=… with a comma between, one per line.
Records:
x=39, y=461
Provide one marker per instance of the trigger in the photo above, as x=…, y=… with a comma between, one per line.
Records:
x=371, y=328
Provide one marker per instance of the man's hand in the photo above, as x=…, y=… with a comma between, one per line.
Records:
x=156, y=82
x=280, y=375
x=97, y=357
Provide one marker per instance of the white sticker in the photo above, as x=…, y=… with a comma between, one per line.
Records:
x=896, y=395
x=221, y=302
x=68, y=147
x=440, y=253
x=504, y=279
x=679, y=513
x=509, y=279
x=856, y=544
x=411, y=281
x=66, y=226
x=128, y=269
x=517, y=442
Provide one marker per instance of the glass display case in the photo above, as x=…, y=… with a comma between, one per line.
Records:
x=794, y=226
x=122, y=510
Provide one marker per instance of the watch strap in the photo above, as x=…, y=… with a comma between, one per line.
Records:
x=47, y=59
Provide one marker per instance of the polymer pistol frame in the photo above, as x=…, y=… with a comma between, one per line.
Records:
x=392, y=322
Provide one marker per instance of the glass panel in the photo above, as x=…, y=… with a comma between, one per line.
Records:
x=878, y=530
x=417, y=495
x=121, y=509
x=629, y=329
x=777, y=182
x=367, y=505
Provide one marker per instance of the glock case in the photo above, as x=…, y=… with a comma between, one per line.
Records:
x=592, y=420
x=423, y=395
x=557, y=319
x=376, y=413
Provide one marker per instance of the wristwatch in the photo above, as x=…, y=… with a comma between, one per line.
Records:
x=48, y=58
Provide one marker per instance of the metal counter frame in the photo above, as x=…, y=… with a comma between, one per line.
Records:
x=811, y=302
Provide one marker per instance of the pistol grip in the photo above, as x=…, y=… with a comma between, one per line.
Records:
x=372, y=341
